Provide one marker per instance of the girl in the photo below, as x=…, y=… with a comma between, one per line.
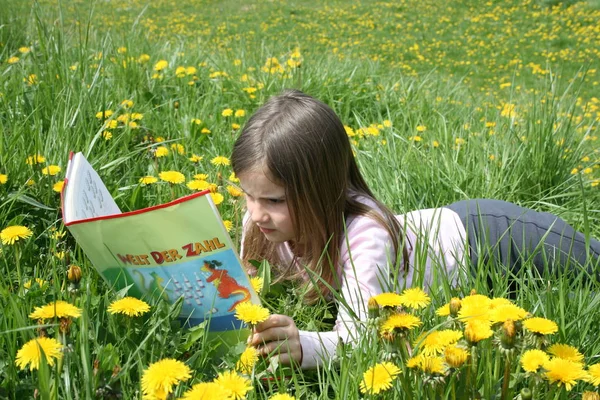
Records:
x=312, y=216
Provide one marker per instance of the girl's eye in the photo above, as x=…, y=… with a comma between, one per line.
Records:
x=276, y=201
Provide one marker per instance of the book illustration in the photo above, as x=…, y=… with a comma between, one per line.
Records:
x=206, y=284
x=225, y=284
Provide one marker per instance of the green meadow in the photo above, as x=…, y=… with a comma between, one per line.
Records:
x=442, y=102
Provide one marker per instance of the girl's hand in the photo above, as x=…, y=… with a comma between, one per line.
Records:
x=278, y=335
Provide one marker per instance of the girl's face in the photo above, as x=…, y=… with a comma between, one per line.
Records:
x=267, y=206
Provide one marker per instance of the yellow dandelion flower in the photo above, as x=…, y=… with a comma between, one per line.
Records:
x=219, y=160
x=30, y=182
x=104, y=114
x=58, y=186
x=206, y=391
x=455, y=356
x=161, y=151
x=565, y=352
x=421, y=128
x=433, y=365
x=533, y=360
x=257, y=283
x=24, y=49
x=35, y=159
x=477, y=330
x=129, y=306
x=217, y=198
x=228, y=112
x=415, y=298
x=173, y=177
x=594, y=374
x=205, y=131
x=235, y=192
x=400, y=322
x=541, y=326
x=282, y=396
x=387, y=123
x=148, y=180
x=437, y=341
x=12, y=234
x=136, y=116
x=234, y=384
x=31, y=353
x=196, y=121
x=198, y=185
x=476, y=306
x=505, y=312
x=379, y=378
x=195, y=158
x=247, y=360
x=178, y=148
x=3, y=178
x=233, y=178
x=388, y=299
x=415, y=138
x=251, y=313
x=51, y=170
x=161, y=65
x=107, y=135
x=564, y=372
x=444, y=310
x=127, y=103
x=58, y=309
x=235, y=126
x=201, y=177
x=13, y=60
x=161, y=376
x=39, y=281
x=240, y=113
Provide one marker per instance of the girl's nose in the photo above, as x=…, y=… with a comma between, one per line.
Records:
x=258, y=214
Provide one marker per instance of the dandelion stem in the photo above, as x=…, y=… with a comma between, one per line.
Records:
x=506, y=378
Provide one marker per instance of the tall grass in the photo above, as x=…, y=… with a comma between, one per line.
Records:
x=421, y=141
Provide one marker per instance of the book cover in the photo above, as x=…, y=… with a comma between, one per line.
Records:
x=172, y=250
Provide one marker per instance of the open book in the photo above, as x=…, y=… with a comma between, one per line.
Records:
x=171, y=250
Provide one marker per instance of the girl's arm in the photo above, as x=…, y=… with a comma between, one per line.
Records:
x=365, y=257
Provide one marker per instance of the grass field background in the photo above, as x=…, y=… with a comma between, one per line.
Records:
x=442, y=102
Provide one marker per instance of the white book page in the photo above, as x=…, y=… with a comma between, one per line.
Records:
x=85, y=195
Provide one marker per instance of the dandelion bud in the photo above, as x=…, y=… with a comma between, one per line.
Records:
x=473, y=292
x=455, y=305
x=373, y=307
x=590, y=396
x=96, y=367
x=74, y=274
x=508, y=333
x=526, y=394
x=65, y=325
x=455, y=356
x=176, y=105
x=115, y=371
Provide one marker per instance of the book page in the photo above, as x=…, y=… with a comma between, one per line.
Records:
x=86, y=196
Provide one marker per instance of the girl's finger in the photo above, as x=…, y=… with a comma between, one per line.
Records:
x=273, y=348
x=273, y=321
x=269, y=335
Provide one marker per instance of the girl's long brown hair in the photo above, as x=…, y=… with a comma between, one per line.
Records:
x=303, y=145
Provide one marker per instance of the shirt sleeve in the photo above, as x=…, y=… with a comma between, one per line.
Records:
x=364, y=259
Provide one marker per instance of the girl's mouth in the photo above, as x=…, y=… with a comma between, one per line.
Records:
x=265, y=230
